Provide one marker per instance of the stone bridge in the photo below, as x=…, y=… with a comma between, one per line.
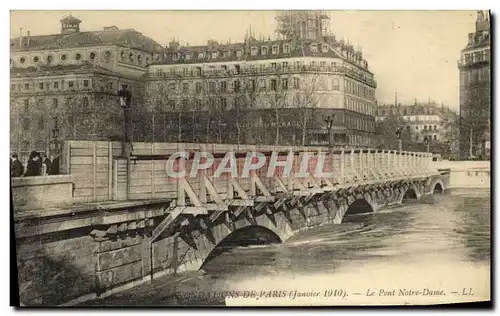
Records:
x=111, y=222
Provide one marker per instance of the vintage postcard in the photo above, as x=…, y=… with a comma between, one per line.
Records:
x=251, y=158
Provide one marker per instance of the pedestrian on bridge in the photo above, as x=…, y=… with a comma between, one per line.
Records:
x=33, y=167
x=16, y=167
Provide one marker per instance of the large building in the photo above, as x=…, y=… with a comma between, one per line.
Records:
x=475, y=91
x=64, y=86
x=418, y=121
x=267, y=91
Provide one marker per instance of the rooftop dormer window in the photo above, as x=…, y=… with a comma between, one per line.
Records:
x=213, y=55
x=238, y=53
x=253, y=51
x=286, y=48
x=201, y=55
x=175, y=56
x=324, y=48
x=275, y=49
x=263, y=50
x=225, y=54
x=188, y=56
x=314, y=48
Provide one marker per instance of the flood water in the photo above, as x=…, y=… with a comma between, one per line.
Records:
x=442, y=242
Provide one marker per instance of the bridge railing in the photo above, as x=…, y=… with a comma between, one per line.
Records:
x=100, y=173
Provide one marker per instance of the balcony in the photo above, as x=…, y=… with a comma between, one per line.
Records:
x=251, y=71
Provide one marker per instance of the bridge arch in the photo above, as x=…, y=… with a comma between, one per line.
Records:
x=412, y=192
x=275, y=228
x=437, y=187
x=359, y=206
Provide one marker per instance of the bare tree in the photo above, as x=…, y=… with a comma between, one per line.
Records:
x=276, y=96
x=306, y=98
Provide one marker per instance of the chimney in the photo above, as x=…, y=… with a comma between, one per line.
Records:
x=21, y=37
x=28, y=38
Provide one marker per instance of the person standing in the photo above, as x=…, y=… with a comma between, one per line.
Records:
x=47, y=165
x=16, y=167
x=33, y=166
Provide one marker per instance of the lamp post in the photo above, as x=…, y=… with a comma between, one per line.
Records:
x=329, y=125
x=398, y=136
x=54, y=143
x=125, y=98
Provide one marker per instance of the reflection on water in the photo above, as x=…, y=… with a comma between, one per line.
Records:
x=443, y=241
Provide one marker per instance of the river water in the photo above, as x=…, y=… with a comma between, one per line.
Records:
x=441, y=243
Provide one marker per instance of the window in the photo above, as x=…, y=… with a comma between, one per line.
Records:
x=26, y=105
x=184, y=103
x=223, y=86
x=416, y=127
x=273, y=65
x=85, y=83
x=70, y=84
x=262, y=84
x=236, y=86
x=284, y=84
x=425, y=127
x=36, y=59
x=286, y=48
x=314, y=48
x=185, y=87
x=335, y=84
x=40, y=86
x=324, y=48
x=122, y=55
x=275, y=49
x=198, y=87
x=405, y=112
x=26, y=86
x=435, y=127
x=54, y=103
x=201, y=55
x=22, y=60
x=284, y=64
x=322, y=64
x=253, y=51
x=63, y=57
x=213, y=55
x=238, y=53
x=92, y=56
x=188, y=56
x=252, y=85
x=273, y=84
x=225, y=54
x=49, y=58
x=211, y=86
x=408, y=129
x=223, y=103
x=263, y=50
x=131, y=56
x=85, y=101
x=110, y=86
x=435, y=137
x=296, y=83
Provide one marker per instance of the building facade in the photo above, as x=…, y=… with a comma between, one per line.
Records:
x=418, y=121
x=475, y=91
x=279, y=91
x=65, y=85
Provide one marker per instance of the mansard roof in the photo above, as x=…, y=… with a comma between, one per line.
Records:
x=414, y=109
x=111, y=36
x=297, y=48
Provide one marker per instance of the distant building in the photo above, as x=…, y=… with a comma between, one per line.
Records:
x=475, y=91
x=420, y=120
x=265, y=91
x=65, y=85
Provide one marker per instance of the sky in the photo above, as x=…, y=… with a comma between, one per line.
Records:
x=413, y=53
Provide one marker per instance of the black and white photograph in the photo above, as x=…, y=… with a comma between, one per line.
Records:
x=163, y=158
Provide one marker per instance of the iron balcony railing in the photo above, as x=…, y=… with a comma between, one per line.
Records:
x=255, y=71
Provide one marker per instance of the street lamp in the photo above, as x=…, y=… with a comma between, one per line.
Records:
x=329, y=125
x=125, y=97
x=54, y=143
x=398, y=136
